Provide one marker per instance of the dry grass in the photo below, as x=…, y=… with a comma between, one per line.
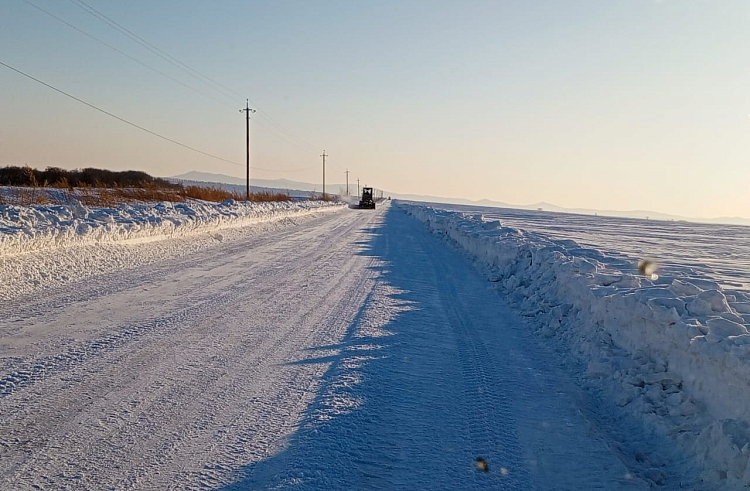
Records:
x=113, y=196
x=218, y=195
x=324, y=196
x=30, y=196
x=209, y=194
x=100, y=187
x=61, y=184
x=269, y=196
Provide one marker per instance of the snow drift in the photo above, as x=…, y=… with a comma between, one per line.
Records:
x=34, y=228
x=675, y=350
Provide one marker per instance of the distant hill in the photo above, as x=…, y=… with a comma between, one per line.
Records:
x=284, y=184
x=287, y=185
x=194, y=175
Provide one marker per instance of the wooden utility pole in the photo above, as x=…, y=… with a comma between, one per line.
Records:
x=247, y=112
x=358, y=186
x=347, y=181
x=324, y=173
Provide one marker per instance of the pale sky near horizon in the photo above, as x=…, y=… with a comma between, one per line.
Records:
x=621, y=104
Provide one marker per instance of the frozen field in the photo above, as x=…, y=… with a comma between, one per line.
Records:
x=721, y=252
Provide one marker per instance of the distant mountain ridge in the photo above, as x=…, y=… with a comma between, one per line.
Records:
x=266, y=183
x=286, y=184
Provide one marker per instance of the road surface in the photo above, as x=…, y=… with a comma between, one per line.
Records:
x=352, y=351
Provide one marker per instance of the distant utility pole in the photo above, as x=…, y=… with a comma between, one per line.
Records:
x=324, y=172
x=247, y=112
x=358, y=186
x=347, y=181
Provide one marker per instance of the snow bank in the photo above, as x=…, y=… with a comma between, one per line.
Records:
x=33, y=228
x=673, y=350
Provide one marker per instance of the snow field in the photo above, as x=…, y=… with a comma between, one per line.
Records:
x=673, y=350
x=34, y=228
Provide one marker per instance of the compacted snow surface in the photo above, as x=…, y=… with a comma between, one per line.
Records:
x=332, y=348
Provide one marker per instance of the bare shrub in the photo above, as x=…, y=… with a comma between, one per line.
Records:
x=269, y=196
x=26, y=176
x=98, y=187
x=209, y=194
x=324, y=196
x=61, y=183
x=25, y=196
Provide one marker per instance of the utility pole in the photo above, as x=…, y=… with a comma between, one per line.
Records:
x=347, y=181
x=324, y=173
x=358, y=186
x=247, y=112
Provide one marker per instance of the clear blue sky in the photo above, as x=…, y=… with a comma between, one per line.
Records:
x=619, y=104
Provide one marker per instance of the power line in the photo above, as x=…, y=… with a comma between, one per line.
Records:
x=118, y=117
x=155, y=50
x=286, y=170
x=124, y=54
x=139, y=39
x=218, y=86
x=280, y=136
x=146, y=129
x=266, y=115
x=269, y=118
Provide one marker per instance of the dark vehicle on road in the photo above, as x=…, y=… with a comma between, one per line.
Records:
x=366, y=202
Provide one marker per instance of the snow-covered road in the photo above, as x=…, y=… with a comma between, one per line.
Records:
x=352, y=351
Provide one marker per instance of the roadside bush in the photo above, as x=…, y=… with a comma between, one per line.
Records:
x=324, y=197
x=209, y=194
x=26, y=176
x=268, y=196
x=99, y=187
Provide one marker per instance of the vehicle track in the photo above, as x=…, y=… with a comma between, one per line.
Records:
x=357, y=351
x=435, y=373
x=485, y=393
x=183, y=397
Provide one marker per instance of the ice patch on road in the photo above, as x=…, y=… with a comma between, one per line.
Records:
x=673, y=350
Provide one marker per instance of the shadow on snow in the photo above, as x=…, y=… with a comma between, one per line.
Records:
x=376, y=421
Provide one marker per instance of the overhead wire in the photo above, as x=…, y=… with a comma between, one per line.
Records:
x=286, y=170
x=135, y=125
x=156, y=70
x=271, y=130
x=268, y=116
x=287, y=136
x=118, y=117
x=155, y=50
x=218, y=86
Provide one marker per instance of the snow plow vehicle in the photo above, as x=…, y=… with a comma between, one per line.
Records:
x=367, y=202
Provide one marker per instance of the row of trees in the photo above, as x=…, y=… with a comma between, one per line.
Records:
x=55, y=176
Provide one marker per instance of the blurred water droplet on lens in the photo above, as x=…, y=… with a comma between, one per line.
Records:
x=648, y=269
